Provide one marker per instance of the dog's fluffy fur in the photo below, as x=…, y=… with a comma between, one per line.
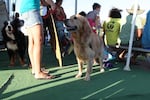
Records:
x=14, y=41
x=88, y=46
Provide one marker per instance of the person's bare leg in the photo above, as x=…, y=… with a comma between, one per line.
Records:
x=121, y=56
x=37, y=52
x=36, y=32
x=30, y=50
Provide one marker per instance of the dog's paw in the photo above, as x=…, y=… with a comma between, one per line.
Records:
x=24, y=65
x=102, y=70
x=87, y=78
x=78, y=76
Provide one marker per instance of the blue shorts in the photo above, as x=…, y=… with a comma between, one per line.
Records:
x=31, y=18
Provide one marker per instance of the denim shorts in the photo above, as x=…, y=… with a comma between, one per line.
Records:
x=31, y=18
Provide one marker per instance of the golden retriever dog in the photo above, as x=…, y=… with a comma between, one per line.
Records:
x=88, y=46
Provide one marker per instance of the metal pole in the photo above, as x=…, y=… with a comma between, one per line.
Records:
x=76, y=6
x=8, y=7
x=127, y=67
x=13, y=8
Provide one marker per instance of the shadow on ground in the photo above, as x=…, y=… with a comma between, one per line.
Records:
x=113, y=84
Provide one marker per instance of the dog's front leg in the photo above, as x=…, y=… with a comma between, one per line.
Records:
x=101, y=65
x=89, y=70
x=12, y=60
x=80, y=66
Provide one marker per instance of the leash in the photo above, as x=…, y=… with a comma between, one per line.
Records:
x=57, y=50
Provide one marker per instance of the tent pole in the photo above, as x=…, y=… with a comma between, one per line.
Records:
x=127, y=67
x=76, y=4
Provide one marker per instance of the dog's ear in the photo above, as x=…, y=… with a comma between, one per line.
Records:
x=86, y=26
x=86, y=30
x=5, y=23
x=3, y=29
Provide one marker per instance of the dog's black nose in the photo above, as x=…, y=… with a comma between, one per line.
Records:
x=66, y=21
x=9, y=28
x=75, y=17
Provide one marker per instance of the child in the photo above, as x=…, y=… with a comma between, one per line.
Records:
x=93, y=17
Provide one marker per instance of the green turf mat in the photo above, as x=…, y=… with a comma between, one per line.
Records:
x=5, y=79
x=113, y=84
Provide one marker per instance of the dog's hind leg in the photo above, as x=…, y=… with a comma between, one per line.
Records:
x=100, y=62
x=22, y=60
x=12, y=61
x=80, y=66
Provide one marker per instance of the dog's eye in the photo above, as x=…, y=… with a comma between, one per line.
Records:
x=75, y=17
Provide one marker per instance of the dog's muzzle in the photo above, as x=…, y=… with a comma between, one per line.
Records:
x=69, y=27
x=9, y=28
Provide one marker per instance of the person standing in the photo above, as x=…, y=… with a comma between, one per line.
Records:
x=30, y=12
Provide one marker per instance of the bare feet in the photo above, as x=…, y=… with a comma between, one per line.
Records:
x=43, y=76
x=78, y=75
x=42, y=70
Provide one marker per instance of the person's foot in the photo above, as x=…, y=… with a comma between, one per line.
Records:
x=43, y=70
x=43, y=76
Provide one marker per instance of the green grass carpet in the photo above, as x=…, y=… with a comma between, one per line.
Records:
x=113, y=84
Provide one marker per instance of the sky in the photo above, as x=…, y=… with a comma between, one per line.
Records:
x=86, y=5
